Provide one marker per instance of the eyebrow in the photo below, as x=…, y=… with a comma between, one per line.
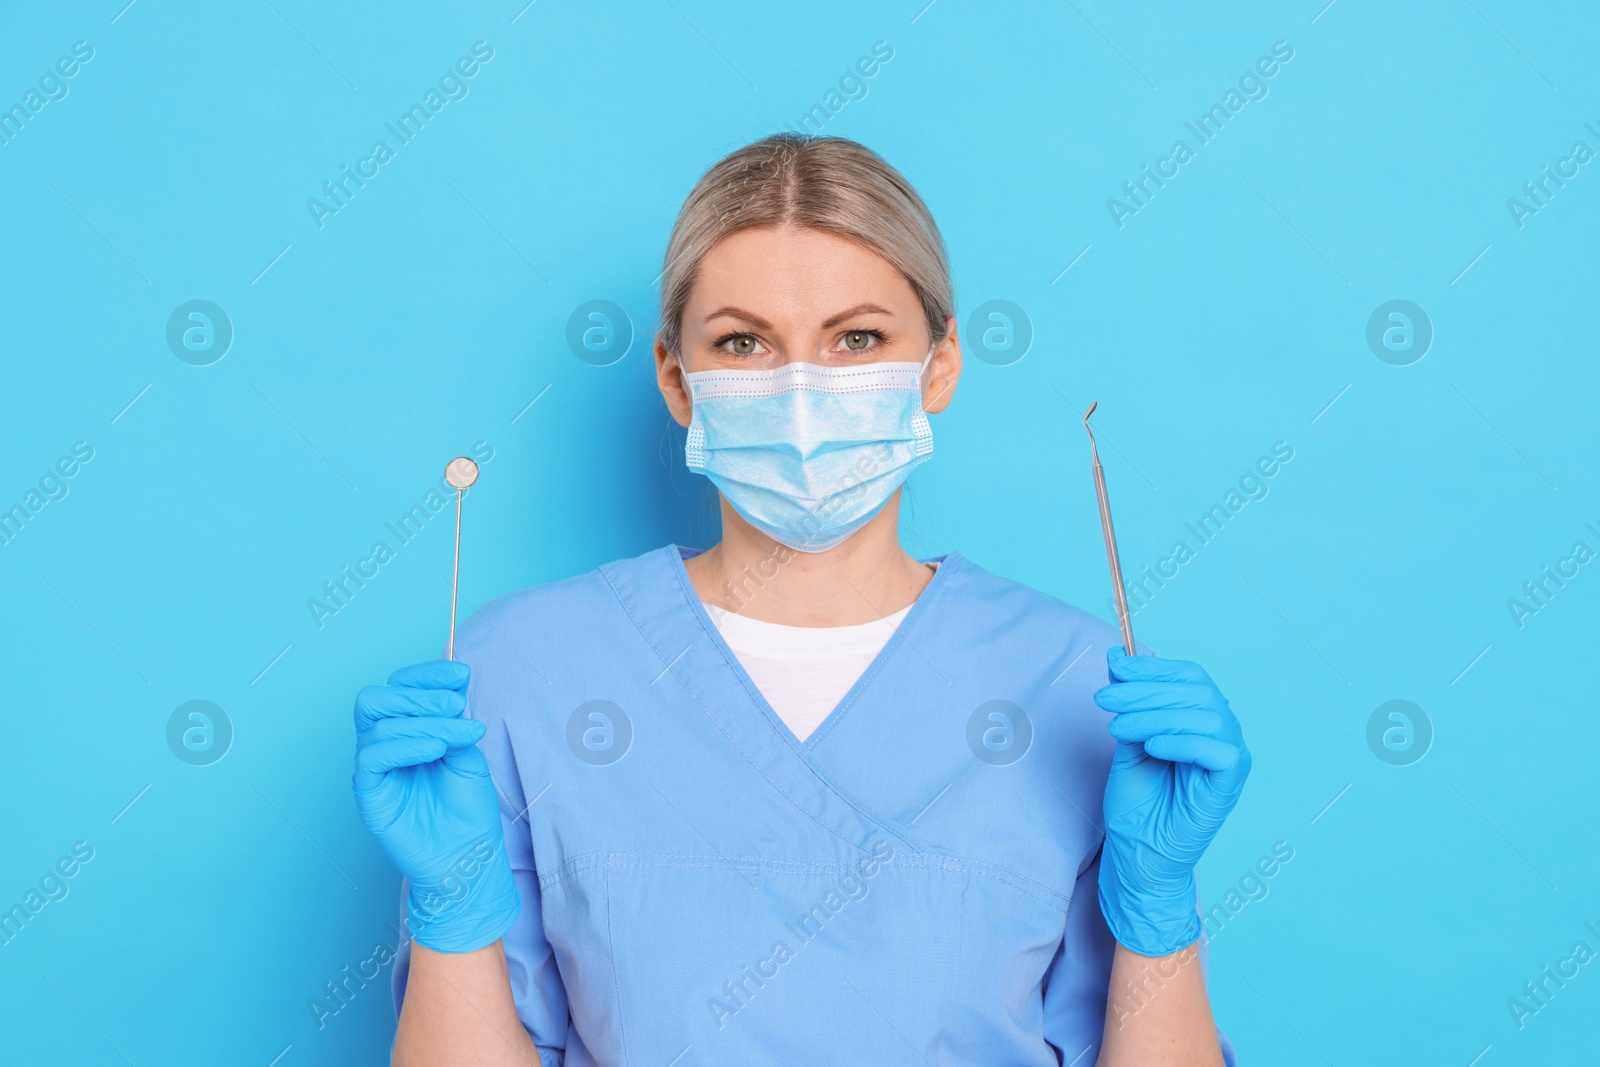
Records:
x=760, y=323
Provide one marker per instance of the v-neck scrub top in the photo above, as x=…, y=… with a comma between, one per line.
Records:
x=914, y=883
x=803, y=671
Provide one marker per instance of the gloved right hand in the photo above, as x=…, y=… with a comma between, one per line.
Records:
x=423, y=790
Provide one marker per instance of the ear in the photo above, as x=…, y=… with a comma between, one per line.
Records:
x=669, y=379
x=944, y=370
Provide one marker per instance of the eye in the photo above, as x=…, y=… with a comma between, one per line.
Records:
x=738, y=344
x=861, y=340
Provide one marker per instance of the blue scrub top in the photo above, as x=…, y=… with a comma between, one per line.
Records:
x=915, y=883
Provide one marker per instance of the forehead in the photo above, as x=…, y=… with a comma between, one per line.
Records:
x=800, y=272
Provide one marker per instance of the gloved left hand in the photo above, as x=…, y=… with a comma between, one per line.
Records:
x=1179, y=767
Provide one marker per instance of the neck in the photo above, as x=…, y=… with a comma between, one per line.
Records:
x=863, y=579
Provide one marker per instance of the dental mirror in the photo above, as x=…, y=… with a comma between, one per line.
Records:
x=460, y=473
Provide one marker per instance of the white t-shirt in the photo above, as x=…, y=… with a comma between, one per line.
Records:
x=803, y=671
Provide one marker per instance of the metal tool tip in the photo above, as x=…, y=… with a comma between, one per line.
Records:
x=1092, y=405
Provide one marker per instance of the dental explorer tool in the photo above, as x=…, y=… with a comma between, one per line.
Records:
x=1111, y=538
x=460, y=473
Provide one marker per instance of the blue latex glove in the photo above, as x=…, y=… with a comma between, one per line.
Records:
x=1179, y=767
x=423, y=789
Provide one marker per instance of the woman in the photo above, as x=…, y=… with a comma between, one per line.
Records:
x=799, y=798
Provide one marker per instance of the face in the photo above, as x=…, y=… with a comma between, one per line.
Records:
x=768, y=297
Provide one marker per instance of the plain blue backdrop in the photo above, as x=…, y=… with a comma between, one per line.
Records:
x=431, y=312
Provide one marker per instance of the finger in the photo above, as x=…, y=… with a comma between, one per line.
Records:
x=1154, y=696
x=1143, y=725
x=377, y=702
x=1207, y=752
x=457, y=733
x=1128, y=668
x=375, y=761
x=434, y=674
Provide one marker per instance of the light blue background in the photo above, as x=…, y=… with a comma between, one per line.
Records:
x=426, y=315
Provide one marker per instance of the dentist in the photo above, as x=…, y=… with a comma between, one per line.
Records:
x=625, y=815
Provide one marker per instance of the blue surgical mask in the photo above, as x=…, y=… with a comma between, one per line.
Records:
x=806, y=453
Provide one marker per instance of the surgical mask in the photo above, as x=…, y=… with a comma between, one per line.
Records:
x=809, y=454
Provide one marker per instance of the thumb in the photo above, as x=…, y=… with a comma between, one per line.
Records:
x=467, y=761
x=1129, y=754
x=1230, y=781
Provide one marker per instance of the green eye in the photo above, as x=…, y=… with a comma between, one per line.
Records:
x=856, y=340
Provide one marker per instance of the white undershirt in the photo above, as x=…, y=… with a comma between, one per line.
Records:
x=804, y=671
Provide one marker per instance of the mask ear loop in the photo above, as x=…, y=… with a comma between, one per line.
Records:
x=694, y=446
x=920, y=427
x=922, y=368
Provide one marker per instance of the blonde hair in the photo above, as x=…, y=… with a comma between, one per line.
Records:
x=831, y=184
